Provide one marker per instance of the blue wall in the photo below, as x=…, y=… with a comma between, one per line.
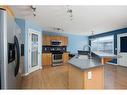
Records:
x=25, y=26
x=75, y=42
x=21, y=24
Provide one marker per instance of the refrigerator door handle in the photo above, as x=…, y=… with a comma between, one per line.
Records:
x=18, y=55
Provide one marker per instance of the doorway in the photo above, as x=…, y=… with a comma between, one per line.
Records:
x=122, y=49
x=34, y=50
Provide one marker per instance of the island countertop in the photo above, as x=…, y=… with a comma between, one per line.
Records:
x=83, y=63
x=104, y=55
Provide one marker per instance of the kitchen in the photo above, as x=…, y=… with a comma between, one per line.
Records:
x=76, y=50
x=55, y=50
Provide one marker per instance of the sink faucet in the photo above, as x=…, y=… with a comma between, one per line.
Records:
x=84, y=48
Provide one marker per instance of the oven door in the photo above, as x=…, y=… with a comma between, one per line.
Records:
x=57, y=58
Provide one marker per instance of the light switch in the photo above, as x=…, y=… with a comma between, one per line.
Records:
x=89, y=75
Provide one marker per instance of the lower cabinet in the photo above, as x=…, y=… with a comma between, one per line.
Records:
x=65, y=57
x=46, y=58
x=86, y=79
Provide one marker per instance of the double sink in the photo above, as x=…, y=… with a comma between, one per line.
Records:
x=84, y=55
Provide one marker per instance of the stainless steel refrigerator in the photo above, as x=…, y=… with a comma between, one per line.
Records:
x=11, y=52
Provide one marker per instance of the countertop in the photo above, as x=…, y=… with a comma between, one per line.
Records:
x=104, y=55
x=83, y=63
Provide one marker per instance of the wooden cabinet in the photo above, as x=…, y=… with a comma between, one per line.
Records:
x=47, y=40
x=58, y=38
x=97, y=78
x=62, y=41
x=65, y=41
x=88, y=79
x=46, y=59
x=75, y=78
x=65, y=57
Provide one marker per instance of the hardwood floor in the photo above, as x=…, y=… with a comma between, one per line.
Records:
x=57, y=78
x=115, y=77
x=47, y=78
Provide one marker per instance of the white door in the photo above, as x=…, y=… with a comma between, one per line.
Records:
x=122, y=49
x=34, y=50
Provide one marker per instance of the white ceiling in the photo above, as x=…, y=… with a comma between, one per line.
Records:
x=86, y=18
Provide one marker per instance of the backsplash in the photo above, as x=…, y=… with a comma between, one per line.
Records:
x=54, y=48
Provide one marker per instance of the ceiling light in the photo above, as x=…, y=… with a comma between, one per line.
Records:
x=92, y=36
x=70, y=13
x=34, y=10
x=58, y=29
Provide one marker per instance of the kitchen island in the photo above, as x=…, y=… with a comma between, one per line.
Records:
x=105, y=57
x=85, y=73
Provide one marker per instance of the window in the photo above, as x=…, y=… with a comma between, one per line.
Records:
x=103, y=44
x=123, y=43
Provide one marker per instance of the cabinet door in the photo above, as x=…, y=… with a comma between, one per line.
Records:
x=49, y=59
x=46, y=59
x=62, y=40
x=52, y=38
x=65, y=41
x=58, y=38
x=46, y=40
x=94, y=78
x=65, y=57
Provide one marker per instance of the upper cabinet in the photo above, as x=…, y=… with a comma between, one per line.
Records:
x=47, y=40
x=65, y=40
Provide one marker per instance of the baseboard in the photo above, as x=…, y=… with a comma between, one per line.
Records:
x=111, y=63
x=40, y=67
x=123, y=66
x=25, y=74
x=29, y=73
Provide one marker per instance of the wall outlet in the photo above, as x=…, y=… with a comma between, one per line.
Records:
x=89, y=75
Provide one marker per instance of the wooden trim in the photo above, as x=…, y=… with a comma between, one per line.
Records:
x=8, y=9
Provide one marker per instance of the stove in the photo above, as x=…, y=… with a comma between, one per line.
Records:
x=57, y=54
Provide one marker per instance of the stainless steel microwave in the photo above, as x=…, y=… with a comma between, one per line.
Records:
x=55, y=43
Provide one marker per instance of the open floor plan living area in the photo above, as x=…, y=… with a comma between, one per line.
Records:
x=63, y=47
